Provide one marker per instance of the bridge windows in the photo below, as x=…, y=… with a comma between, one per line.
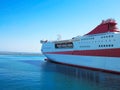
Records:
x=64, y=45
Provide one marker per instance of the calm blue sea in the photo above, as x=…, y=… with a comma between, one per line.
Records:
x=33, y=73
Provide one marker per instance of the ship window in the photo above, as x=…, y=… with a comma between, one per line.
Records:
x=106, y=45
x=64, y=45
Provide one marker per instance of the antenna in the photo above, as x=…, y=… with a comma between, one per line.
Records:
x=58, y=37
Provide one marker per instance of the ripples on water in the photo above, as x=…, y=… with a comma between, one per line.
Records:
x=33, y=73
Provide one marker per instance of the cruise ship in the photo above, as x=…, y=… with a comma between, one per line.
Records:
x=99, y=49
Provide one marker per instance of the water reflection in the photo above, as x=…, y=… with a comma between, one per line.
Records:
x=98, y=79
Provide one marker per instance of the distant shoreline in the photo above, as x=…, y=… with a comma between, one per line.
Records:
x=20, y=53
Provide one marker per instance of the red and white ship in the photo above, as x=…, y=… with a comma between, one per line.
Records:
x=97, y=50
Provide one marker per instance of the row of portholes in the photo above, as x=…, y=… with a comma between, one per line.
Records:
x=84, y=46
x=107, y=45
x=107, y=36
x=99, y=41
x=88, y=38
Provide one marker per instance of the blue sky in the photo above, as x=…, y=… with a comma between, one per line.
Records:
x=23, y=23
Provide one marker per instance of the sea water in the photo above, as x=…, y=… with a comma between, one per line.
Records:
x=25, y=72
